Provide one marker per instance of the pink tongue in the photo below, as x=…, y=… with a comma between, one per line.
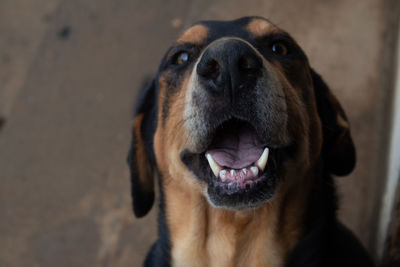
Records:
x=236, y=150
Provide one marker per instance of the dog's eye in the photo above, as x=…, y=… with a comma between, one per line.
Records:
x=182, y=58
x=279, y=49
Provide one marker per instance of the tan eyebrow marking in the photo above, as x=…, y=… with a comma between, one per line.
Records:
x=196, y=34
x=260, y=27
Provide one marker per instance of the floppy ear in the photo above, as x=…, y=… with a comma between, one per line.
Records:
x=338, y=150
x=141, y=158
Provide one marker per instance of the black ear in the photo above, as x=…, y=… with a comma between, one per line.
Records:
x=141, y=158
x=338, y=150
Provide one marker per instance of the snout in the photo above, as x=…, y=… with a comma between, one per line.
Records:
x=228, y=66
x=235, y=120
x=232, y=80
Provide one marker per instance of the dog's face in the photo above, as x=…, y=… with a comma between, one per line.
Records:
x=236, y=114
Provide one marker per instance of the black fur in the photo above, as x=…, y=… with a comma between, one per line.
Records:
x=339, y=158
x=160, y=252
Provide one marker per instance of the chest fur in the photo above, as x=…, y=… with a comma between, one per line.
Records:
x=204, y=236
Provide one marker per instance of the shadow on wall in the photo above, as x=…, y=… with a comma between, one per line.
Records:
x=2, y=122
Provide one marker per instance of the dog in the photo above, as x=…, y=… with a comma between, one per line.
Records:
x=243, y=137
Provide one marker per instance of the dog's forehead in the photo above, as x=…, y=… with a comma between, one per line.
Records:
x=247, y=28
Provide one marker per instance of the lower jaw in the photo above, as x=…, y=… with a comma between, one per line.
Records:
x=239, y=186
x=251, y=195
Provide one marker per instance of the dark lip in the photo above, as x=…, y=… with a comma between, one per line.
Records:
x=231, y=189
x=263, y=190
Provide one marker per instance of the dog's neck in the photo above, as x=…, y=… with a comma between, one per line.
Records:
x=205, y=236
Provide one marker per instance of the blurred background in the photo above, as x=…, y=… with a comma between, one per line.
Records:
x=69, y=75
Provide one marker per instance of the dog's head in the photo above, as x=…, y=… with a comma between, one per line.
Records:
x=235, y=113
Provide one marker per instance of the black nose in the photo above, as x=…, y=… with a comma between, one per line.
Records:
x=228, y=66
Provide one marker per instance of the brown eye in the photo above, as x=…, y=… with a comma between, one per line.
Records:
x=182, y=58
x=279, y=49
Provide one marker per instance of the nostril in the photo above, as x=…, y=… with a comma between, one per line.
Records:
x=249, y=65
x=209, y=69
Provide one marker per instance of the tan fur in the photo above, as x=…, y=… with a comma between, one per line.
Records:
x=342, y=122
x=171, y=138
x=197, y=34
x=260, y=27
x=144, y=168
x=204, y=236
x=179, y=184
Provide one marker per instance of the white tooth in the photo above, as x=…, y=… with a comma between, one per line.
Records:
x=232, y=173
x=244, y=170
x=214, y=165
x=262, y=161
x=222, y=175
x=254, y=170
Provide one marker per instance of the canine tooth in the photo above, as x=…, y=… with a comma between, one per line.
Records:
x=262, y=161
x=254, y=170
x=213, y=164
x=222, y=175
x=232, y=173
x=244, y=170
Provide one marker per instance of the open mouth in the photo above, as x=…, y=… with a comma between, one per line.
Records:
x=239, y=167
x=237, y=156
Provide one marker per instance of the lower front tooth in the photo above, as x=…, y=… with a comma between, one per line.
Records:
x=222, y=175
